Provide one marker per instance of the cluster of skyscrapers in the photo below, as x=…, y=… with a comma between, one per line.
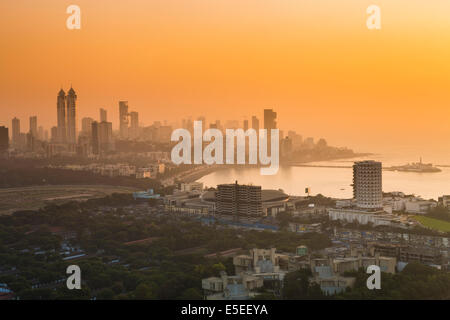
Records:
x=95, y=137
x=64, y=133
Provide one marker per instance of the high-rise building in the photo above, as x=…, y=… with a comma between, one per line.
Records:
x=255, y=123
x=102, y=139
x=15, y=132
x=239, y=200
x=270, y=123
x=83, y=147
x=203, y=120
x=33, y=127
x=54, y=134
x=367, y=184
x=245, y=125
x=123, y=115
x=95, y=140
x=105, y=138
x=134, y=124
x=270, y=118
x=103, y=115
x=4, y=139
x=71, y=100
x=296, y=139
x=86, y=126
x=41, y=133
x=61, y=114
x=189, y=125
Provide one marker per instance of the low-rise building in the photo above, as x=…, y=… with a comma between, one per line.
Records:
x=376, y=218
x=5, y=292
x=386, y=264
x=301, y=251
x=305, y=227
x=334, y=284
x=191, y=187
x=406, y=253
x=188, y=202
x=240, y=287
x=263, y=264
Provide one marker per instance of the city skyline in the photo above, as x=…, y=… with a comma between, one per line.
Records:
x=134, y=125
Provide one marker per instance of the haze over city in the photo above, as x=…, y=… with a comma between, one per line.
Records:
x=228, y=60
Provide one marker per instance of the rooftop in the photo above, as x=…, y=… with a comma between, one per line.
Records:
x=267, y=195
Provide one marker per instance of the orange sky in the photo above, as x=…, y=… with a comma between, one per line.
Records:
x=313, y=61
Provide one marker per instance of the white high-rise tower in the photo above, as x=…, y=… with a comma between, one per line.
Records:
x=367, y=184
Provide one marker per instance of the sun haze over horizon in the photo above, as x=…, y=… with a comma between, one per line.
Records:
x=314, y=62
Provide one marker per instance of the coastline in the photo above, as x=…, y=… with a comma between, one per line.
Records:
x=199, y=173
x=305, y=163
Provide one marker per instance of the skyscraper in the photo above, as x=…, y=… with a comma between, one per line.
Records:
x=203, y=120
x=105, y=139
x=134, y=124
x=86, y=126
x=15, y=132
x=34, y=127
x=367, y=184
x=95, y=141
x=103, y=115
x=245, y=125
x=4, y=139
x=255, y=123
x=123, y=115
x=270, y=118
x=61, y=114
x=71, y=100
x=239, y=200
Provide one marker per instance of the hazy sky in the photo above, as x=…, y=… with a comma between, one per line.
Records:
x=313, y=61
